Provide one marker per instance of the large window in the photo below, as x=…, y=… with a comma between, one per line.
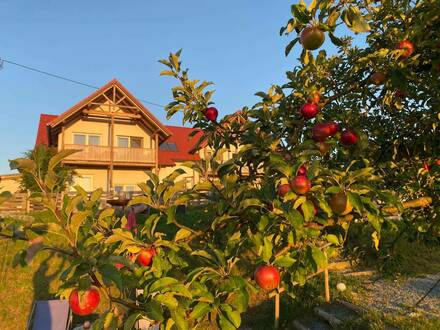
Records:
x=87, y=139
x=130, y=142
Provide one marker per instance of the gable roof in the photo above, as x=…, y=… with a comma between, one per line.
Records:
x=66, y=114
x=184, y=143
x=42, y=134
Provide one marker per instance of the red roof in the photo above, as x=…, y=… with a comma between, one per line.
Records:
x=179, y=135
x=184, y=143
x=42, y=136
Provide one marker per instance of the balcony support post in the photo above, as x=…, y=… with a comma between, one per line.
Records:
x=63, y=136
x=110, y=173
x=156, y=160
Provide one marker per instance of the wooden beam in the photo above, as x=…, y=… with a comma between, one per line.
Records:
x=110, y=114
x=156, y=139
x=112, y=128
x=63, y=129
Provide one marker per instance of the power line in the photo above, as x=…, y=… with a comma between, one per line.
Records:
x=2, y=60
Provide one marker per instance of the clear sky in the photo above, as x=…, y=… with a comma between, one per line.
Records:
x=234, y=43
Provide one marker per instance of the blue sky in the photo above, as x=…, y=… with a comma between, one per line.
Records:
x=233, y=43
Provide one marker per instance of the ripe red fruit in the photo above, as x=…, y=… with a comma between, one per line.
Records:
x=302, y=170
x=309, y=110
x=267, y=277
x=377, y=78
x=348, y=137
x=145, y=257
x=407, y=46
x=301, y=184
x=437, y=162
x=426, y=167
x=321, y=131
x=283, y=189
x=312, y=38
x=119, y=266
x=211, y=114
x=314, y=97
x=333, y=127
x=85, y=303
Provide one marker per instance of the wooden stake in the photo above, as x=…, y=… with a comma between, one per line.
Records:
x=277, y=311
x=326, y=285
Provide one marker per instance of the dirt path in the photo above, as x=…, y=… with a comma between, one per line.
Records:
x=400, y=296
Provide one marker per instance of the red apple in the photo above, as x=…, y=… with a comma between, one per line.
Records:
x=348, y=137
x=407, y=46
x=321, y=131
x=267, y=277
x=333, y=127
x=314, y=97
x=301, y=184
x=437, y=162
x=145, y=257
x=309, y=110
x=302, y=170
x=283, y=189
x=84, y=303
x=211, y=114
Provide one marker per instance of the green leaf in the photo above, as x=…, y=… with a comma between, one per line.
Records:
x=130, y=321
x=167, y=299
x=267, y=249
x=284, y=261
x=200, y=310
x=355, y=200
x=224, y=323
x=232, y=315
x=58, y=158
x=154, y=311
x=376, y=239
x=179, y=317
x=319, y=257
x=239, y=300
x=182, y=234
x=332, y=239
x=290, y=46
x=162, y=283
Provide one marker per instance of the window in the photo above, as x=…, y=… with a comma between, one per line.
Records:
x=135, y=142
x=79, y=139
x=123, y=142
x=130, y=142
x=86, y=139
x=168, y=146
x=94, y=140
x=125, y=188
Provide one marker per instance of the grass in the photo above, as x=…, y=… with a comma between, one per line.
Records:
x=20, y=286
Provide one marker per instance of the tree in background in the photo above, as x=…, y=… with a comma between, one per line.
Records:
x=41, y=156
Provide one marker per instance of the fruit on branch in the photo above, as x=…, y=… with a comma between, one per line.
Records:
x=322, y=131
x=323, y=147
x=348, y=138
x=407, y=46
x=145, y=257
x=377, y=78
x=267, y=277
x=437, y=162
x=119, y=266
x=85, y=302
x=302, y=170
x=314, y=97
x=312, y=37
x=211, y=114
x=300, y=184
x=309, y=110
x=340, y=204
x=283, y=189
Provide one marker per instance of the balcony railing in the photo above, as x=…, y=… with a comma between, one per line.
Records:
x=103, y=154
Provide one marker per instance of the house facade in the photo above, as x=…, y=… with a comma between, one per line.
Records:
x=118, y=139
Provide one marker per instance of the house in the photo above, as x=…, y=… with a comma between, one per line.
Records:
x=118, y=139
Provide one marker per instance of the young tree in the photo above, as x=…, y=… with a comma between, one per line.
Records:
x=41, y=156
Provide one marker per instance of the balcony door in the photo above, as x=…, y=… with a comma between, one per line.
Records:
x=130, y=142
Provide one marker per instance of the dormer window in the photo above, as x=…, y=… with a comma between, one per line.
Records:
x=168, y=146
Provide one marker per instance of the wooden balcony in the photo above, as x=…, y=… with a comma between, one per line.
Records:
x=102, y=155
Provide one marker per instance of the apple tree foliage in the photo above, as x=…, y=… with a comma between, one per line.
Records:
x=203, y=269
